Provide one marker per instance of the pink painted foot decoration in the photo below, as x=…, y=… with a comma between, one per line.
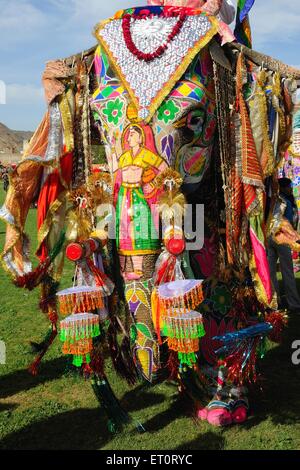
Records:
x=132, y=276
x=219, y=417
x=239, y=415
x=202, y=414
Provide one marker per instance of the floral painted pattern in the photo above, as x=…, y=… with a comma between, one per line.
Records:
x=221, y=299
x=168, y=111
x=114, y=111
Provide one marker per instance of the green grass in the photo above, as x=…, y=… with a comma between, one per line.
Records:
x=57, y=409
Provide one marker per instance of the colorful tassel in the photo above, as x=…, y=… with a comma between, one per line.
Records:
x=183, y=346
x=189, y=359
x=279, y=321
x=174, y=317
x=79, y=326
x=77, y=333
x=183, y=328
x=180, y=296
x=241, y=350
x=80, y=299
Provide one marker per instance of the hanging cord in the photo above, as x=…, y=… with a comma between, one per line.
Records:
x=224, y=101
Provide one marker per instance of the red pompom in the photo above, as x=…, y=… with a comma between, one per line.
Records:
x=74, y=252
x=176, y=246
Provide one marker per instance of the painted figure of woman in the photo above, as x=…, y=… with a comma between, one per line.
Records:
x=136, y=233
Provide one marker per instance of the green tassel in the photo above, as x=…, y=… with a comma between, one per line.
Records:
x=79, y=334
x=187, y=358
x=193, y=333
x=63, y=335
x=201, y=330
x=95, y=331
x=88, y=358
x=77, y=361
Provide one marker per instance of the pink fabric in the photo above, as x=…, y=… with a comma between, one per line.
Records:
x=219, y=417
x=262, y=264
x=225, y=33
x=181, y=3
x=202, y=414
x=210, y=6
x=97, y=65
x=223, y=417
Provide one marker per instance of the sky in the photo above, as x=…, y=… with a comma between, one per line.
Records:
x=34, y=31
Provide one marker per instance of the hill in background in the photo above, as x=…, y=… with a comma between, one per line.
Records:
x=11, y=142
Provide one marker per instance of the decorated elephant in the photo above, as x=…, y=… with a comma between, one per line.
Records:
x=186, y=117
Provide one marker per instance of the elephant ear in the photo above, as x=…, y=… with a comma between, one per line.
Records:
x=218, y=55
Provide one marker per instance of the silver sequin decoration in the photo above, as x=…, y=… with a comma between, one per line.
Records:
x=146, y=79
x=6, y=215
x=55, y=134
x=55, y=139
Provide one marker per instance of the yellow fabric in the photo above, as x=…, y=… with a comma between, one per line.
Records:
x=143, y=159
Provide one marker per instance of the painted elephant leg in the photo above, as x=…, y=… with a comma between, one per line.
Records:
x=138, y=296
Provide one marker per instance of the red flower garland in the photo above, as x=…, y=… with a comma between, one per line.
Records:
x=161, y=49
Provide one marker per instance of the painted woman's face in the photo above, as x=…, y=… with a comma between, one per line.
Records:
x=183, y=126
x=134, y=138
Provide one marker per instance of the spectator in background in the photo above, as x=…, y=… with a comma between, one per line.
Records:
x=283, y=252
x=5, y=181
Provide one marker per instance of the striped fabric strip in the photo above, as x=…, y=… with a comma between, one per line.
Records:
x=242, y=29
